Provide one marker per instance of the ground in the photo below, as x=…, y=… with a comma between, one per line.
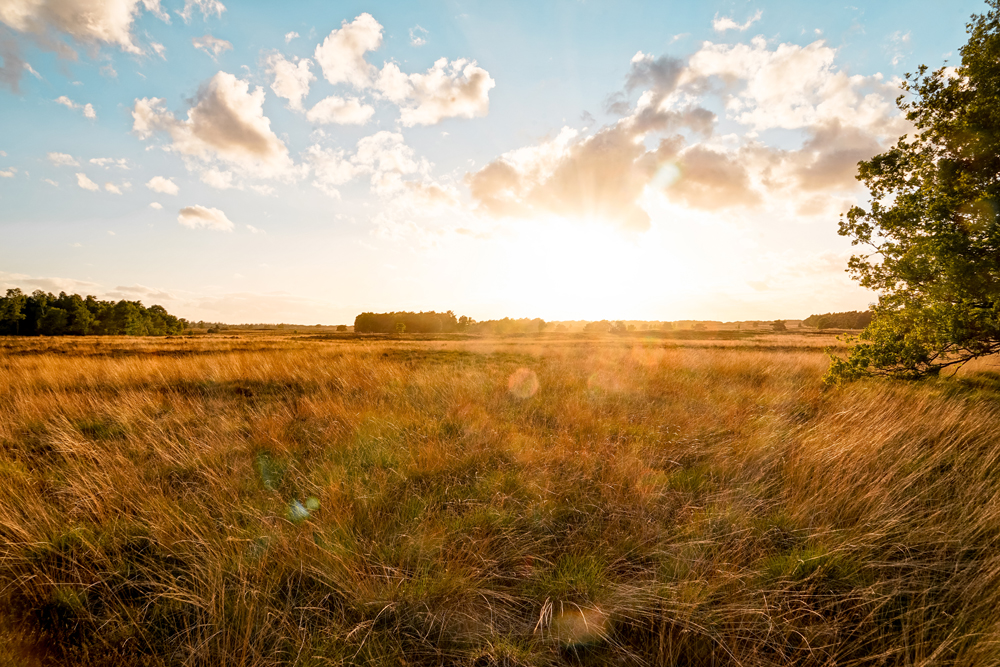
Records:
x=302, y=499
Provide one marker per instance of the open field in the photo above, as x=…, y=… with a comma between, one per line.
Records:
x=305, y=500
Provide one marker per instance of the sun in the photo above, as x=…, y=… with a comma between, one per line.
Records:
x=563, y=268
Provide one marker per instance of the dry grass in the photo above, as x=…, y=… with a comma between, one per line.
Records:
x=531, y=500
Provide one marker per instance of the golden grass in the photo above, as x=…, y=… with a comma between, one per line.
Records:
x=261, y=500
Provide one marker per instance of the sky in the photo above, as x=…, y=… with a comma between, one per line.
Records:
x=306, y=161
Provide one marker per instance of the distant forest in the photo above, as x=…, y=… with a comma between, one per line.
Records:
x=434, y=322
x=852, y=319
x=41, y=313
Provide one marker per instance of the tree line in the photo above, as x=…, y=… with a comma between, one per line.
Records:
x=42, y=313
x=852, y=319
x=447, y=322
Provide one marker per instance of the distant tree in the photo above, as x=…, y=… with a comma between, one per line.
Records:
x=341, y=328
x=778, y=325
x=400, y=327
x=932, y=222
x=12, y=310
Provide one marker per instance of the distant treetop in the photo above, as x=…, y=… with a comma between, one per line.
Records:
x=42, y=313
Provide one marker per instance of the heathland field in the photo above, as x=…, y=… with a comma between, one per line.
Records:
x=607, y=500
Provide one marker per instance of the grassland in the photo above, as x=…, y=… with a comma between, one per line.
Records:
x=542, y=500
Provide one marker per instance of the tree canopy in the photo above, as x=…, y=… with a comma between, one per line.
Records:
x=851, y=319
x=931, y=223
x=42, y=313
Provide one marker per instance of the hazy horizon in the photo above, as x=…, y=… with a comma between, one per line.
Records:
x=578, y=161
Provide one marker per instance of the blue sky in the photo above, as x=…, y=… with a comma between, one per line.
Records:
x=256, y=162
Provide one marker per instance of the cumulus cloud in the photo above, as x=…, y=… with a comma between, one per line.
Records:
x=394, y=169
x=50, y=182
x=86, y=22
x=8, y=173
x=157, y=205
x=63, y=160
x=330, y=169
x=664, y=141
x=601, y=177
x=200, y=217
x=213, y=46
x=226, y=123
x=291, y=80
x=458, y=89
x=289, y=36
x=341, y=56
x=159, y=49
x=724, y=23
x=163, y=185
x=86, y=183
x=713, y=180
x=222, y=180
x=112, y=188
x=335, y=109
x=88, y=109
x=794, y=86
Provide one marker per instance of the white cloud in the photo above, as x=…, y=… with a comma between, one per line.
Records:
x=335, y=109
x=396, y=174
x=63, y=160
x=223, y=180
x=106, y=162
x=289, y=36
x=291, y=80
x=85, y=21
x=330, y=168
x=50, y=182
x=254, y=230
x=206, y=6
x=86, y=183
x=8, y=173
x=159, y=49
x=839, y=120
x=163, y=185
x=196, y=217
x=418, y=36
x=724, y=23
x=157, y=205
x=341, y=55
x=226, y=123
x=459, y=89
x=112, y=188
x=213, y=46
x=88, y=109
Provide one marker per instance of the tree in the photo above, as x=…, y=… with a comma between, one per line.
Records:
x=778, y=325
x=932, y=222
x=12, y=309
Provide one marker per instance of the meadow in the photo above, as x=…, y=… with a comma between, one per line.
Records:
x=259, y=500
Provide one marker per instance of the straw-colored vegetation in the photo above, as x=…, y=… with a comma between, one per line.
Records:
x=527, y=501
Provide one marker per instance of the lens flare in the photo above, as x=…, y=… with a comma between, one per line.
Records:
x=523, y=383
